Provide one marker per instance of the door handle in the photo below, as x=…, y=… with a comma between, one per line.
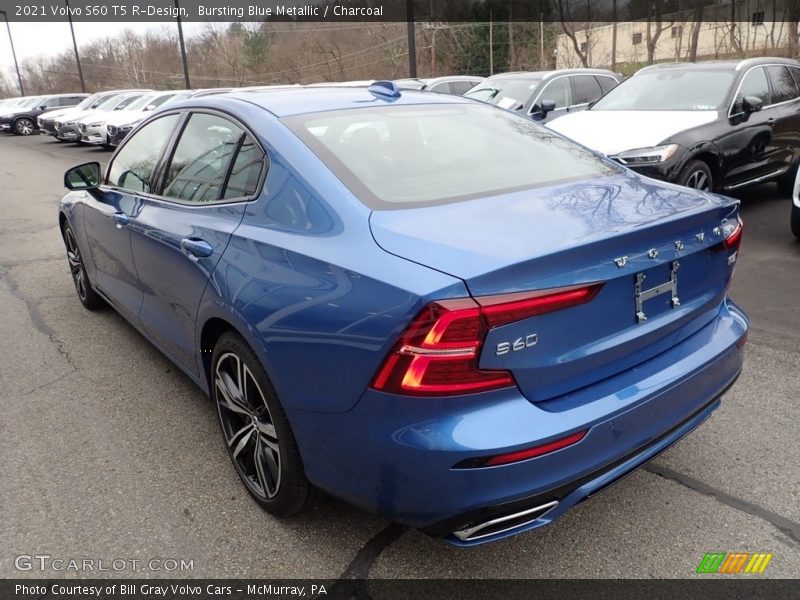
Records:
x=771, y=122
x=120, y=218
x=196, y=248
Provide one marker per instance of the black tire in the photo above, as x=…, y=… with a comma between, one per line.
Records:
x=24, y=126
x=795, y=220
x=255, y=429
x=696, y=174
x=786, y=182
x=83, y=287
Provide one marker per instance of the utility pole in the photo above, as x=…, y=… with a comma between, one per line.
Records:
x=75, y=46
x=14, y=54
x=412, y=42
x=541, y=41
x=614, y=37
x=183, y=47
x=491, y=46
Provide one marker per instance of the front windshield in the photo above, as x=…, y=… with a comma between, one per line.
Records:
x=86, y=102
x=125, y=103
x=670, y=89
x=110, y=103
x=141, y=102
x=506, y=93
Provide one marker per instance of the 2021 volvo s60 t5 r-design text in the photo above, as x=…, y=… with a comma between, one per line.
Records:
x=432, y=308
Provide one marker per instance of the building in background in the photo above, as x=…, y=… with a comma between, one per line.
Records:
x=726, y=30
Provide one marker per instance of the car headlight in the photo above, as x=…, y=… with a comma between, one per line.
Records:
x=69, y=123
x=129, y=126
x=98, y=124
x=647, y=156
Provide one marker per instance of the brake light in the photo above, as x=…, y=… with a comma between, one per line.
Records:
x=438, y=353
x=733, y=234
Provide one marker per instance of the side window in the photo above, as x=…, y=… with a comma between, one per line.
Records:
x=585, y=89
x=440, y=88
x=796, y=75
x=558, y=91
x=606, y=83
x=246, y=170
x=461, y=87
x=197, y=169
x=134, y=164
x=754, y=84
x=783, y=87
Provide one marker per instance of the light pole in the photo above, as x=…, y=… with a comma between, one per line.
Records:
x=14, y=54
x=183, y=46
x=75, y=46
x=412, y=42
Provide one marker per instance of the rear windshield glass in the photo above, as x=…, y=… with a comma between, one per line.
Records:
x=670, y=89
x=403, y=156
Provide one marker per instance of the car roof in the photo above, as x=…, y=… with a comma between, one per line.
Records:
x=717, y=65
x=301, y=100
x=546, y=74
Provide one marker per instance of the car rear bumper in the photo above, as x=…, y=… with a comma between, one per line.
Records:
x=396, y=455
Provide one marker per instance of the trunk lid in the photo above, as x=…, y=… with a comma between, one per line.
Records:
x=618, y=231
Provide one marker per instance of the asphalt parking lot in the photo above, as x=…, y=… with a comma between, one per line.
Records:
x=109, y=452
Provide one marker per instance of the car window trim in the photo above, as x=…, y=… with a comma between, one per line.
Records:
x=545, y=84
x=169, y=149
x=769, y=83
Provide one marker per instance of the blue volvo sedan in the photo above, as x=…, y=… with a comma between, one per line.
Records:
x=432, y=308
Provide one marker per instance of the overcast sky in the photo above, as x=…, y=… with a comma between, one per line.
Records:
x=47, y=39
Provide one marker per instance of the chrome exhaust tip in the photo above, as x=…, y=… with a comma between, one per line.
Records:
x=504, y=523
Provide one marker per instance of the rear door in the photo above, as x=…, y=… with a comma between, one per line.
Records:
x=786, y=131
x=178, y=237
x=585, y=90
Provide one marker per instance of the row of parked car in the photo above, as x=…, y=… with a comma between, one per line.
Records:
x=713, y=126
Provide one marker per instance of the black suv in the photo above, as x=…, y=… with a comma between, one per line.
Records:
x=23, y=122
x=545, y=95
x=717, y=125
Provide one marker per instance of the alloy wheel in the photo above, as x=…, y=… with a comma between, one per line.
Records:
x=699, y=181
x=76, y=265
x=25, y=127
x=248, y=426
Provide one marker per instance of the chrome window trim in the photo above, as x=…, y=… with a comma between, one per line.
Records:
x=186, y=113
x=616, y=82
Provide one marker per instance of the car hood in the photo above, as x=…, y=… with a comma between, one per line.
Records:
x=124, y=117
x=614, y=131
x=54, y=114
x=72, y=114
x=94, y=116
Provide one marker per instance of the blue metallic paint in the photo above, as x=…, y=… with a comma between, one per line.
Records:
x=298, y=273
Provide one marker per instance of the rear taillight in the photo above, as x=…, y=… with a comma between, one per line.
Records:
x=733, y=234
x=438, y=353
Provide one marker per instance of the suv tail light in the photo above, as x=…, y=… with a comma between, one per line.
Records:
x=438, y=353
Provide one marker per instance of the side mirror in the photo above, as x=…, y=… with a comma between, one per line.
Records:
x=83, y=177
x=751, y=104
x=547, y=106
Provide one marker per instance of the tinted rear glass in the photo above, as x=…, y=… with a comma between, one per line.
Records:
x=404, y=156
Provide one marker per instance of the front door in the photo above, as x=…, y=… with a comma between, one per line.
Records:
x=179, y=237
